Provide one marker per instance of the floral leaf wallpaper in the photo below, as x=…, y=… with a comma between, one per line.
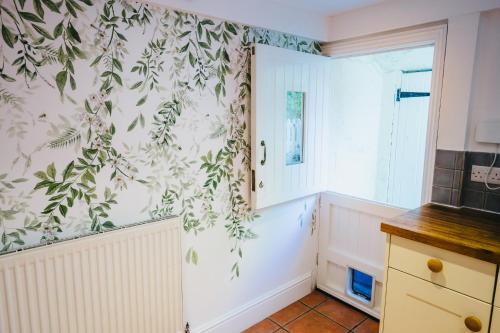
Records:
x=117, y=112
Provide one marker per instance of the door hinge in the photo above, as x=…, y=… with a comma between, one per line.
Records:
x=410, y=94
x=317, y=259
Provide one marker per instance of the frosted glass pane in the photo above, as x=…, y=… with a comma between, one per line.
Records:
x=294, y=127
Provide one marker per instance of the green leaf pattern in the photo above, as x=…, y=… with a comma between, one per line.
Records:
x=114, y=112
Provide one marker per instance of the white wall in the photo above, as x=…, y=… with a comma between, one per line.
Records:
x=259, y=13
x=466, y=71
x=485, y=94
x=354, y=156
x=390, y=15
x=277, y=268
x=288, y=247
x=457, y=81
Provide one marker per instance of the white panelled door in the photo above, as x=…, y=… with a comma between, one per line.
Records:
x=408, y=142
x=350, y=237
x=291, y=94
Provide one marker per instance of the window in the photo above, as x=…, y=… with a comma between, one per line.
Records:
x=379, y=125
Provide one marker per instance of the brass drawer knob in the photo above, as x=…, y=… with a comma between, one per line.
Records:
x=435, y=265
x=473, y=323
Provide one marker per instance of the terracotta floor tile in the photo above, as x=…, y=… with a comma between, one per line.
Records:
x=289, y=313
x=281, y=331
x=314, y=298
x=341, y=313
x=368, y=326
x=265, y=326
x=313, y=322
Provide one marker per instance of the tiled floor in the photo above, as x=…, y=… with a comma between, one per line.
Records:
x=317, y=313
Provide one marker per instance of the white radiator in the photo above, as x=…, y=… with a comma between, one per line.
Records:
x=128, y=280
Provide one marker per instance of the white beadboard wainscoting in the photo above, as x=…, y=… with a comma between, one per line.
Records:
x=349, y=236
x=127, y=280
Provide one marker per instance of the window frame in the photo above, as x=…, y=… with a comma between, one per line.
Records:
x=433, y=34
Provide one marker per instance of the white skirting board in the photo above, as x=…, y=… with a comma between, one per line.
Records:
x=258, y=309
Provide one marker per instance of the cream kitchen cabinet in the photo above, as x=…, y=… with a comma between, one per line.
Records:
x=497, y=294
x=495, y=320
x=432, y=290
x=441, y=271
x=414, y=305
x=466, y=275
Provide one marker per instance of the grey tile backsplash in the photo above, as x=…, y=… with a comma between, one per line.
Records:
x=448, y=176
x=452, y=184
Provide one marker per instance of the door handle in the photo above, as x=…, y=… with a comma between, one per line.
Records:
x=263, y=144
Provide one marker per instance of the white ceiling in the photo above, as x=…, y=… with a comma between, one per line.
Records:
x=328, y=7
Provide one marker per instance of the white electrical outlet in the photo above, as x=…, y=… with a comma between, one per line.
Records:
x=479, y=173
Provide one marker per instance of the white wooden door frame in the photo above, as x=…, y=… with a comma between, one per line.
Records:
x=390, y=41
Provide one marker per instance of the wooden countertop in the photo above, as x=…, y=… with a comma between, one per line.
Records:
x=466, y=231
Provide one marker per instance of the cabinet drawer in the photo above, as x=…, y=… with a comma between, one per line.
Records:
x=495, y=321
x=413, y=305
x=497, y=293
x=464, y=274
